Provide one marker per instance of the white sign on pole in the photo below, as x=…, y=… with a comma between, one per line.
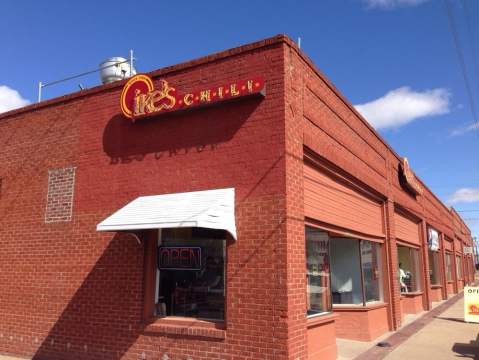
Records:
x=433, y=239
x=467, y=250
x=471, y=304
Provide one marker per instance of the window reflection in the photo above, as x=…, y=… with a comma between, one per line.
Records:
x=408, y=269
x=191, y=273
x=317, y=271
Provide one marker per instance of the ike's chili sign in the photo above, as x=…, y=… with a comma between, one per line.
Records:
x=141, y=98
x=409, y=179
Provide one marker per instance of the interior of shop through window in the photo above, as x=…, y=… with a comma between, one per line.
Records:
x=341, y=271
x=459, y=267
x=408, y=269
x=449, y=266
x=190, y=275
x=317, y=271
x=434, y=267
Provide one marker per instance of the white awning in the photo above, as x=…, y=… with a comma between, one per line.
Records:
x=213, y=209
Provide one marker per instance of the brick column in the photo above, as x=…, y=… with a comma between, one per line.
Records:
x=465, y=272
x=425, y=267
x=471, y=268
x=463, y=258
x=465, y=268
x=294, y=247
x=454, y=265
x=392, y=252
x=443, y=266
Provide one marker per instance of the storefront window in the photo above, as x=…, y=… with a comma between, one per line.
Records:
x=449, y=267
x=434, y=267
x=317, y=271
x=355, y=271
x=345, y=271
x=370, y=263
x=408, y=269
x=191, y=273
x=459, y=267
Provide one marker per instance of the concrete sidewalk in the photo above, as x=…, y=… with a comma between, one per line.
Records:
x=445, y=337
x=441, y=335
x=7, y=357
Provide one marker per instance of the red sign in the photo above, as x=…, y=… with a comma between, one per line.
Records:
x=139, y=97
x=409, y=178
x=474, y=309
x=179, y=258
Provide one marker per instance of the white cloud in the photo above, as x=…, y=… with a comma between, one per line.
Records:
x=464, y=129
x=10, y=99
x=391, y=4
x=403, y=105
x=465, y=195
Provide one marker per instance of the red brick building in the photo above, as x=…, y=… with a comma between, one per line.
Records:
x=316, y=228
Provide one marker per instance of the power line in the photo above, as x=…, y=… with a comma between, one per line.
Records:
x=460, y=54
x=467, y=11
x=467, y=210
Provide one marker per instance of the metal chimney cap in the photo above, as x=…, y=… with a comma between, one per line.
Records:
x=114, y=69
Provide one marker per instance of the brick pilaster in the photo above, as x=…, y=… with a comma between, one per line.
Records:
x=295, y=250
x=392, y=252
x=443, y=266
x=454, y=270
x=425, y=266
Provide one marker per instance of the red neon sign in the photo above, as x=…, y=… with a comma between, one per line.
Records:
x=179, y=258
x=409, y=178
x=140, y=98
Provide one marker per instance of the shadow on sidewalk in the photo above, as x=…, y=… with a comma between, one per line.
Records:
x=453, y=319
x=470, y=350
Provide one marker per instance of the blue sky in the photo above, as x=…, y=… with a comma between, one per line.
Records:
x=394, y=58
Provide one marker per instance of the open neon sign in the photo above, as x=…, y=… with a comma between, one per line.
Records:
x=179, y=258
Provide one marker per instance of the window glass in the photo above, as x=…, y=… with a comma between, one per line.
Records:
x=459, y=267
x=345, y=271
x=434, y=267
x=370, y=262
x=317, y=271
x=408, y=269
x=351, y=273
x=449, y=267
x=191, y=273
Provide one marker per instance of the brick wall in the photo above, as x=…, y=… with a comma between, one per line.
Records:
x=41, y=265
x=71, y=292
x=336, y=133
x=61, y=184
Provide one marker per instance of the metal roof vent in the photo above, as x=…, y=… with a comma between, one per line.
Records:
x=115, y=69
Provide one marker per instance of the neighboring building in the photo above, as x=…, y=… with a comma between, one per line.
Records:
x=259, y=228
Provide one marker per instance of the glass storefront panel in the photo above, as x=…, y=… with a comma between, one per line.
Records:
x=449, y=267
x=341, y=271
x=191, y=273
x=409, y=269
x=317, y=271
x=459, y=267
x=371, y=265
x=434, y=267
x=345, y=271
